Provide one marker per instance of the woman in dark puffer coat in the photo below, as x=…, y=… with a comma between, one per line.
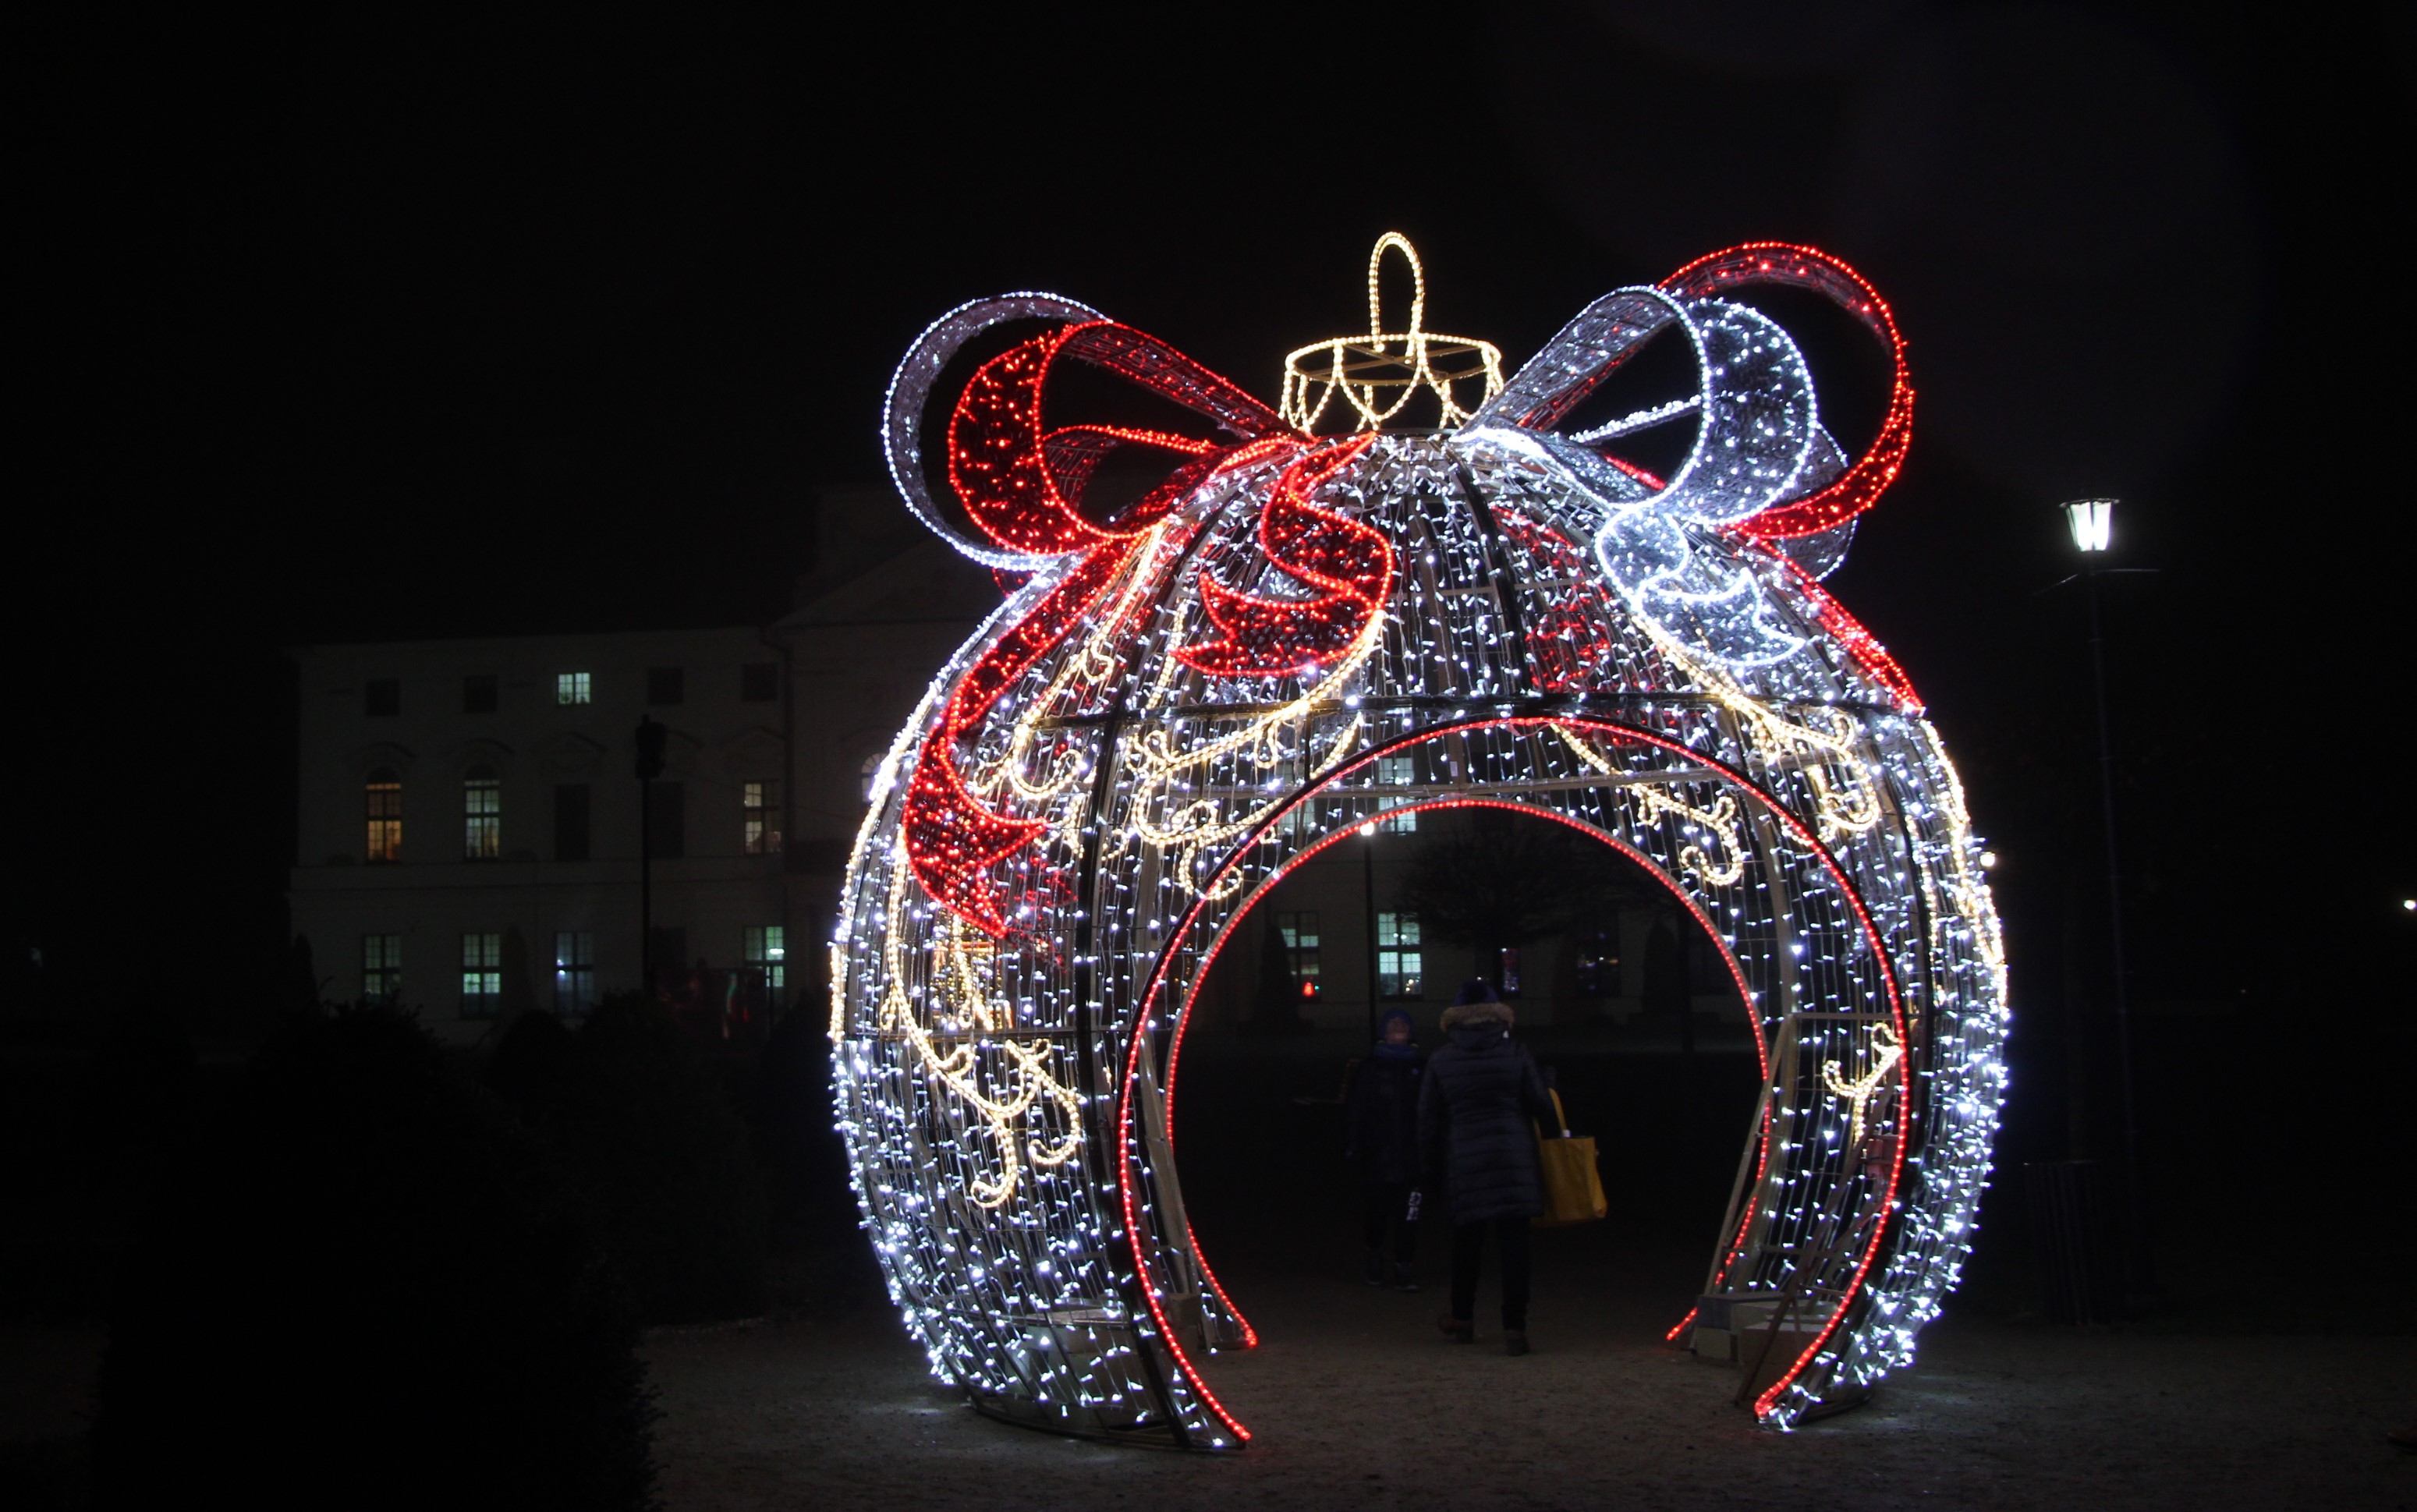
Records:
x=1477, y=1116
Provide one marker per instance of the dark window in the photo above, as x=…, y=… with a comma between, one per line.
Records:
x=574, y=970
x=668, y=954
x=478, y=693
x=667, y=819
x=381, y=965
x=1298, y=931
x=382, y=695
x=759, y=682
x=571, y=822
x=666, y=684
x=384, y=792
x=482, y=814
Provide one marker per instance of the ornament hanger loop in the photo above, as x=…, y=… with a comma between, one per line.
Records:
x=1395, y=240
x=1379, y=374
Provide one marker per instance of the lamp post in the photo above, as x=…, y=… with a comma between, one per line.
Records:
x=2092, y=523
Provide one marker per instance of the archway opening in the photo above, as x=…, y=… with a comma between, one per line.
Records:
x=1621, y=989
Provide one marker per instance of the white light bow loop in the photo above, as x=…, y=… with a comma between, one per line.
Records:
x=1758, y=441
x=910, y=390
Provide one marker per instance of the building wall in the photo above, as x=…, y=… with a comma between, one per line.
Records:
x=1336, y=884
x=878, y=612
x=533, y=742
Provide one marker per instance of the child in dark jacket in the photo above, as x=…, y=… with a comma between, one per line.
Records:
x=1382, y=1116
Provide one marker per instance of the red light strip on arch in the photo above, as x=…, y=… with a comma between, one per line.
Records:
x=1797, y=828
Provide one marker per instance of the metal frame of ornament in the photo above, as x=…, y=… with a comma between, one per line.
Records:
x=1189, y=695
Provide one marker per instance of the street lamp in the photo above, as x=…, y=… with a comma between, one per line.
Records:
x=2092, y=523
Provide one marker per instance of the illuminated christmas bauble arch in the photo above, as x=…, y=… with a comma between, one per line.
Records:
x=1189, y=693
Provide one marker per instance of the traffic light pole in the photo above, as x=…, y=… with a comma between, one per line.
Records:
x=650, y=766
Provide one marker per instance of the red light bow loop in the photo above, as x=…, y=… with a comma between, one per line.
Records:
x=1804, y=267
x=1351, y=562
x=1024, y=485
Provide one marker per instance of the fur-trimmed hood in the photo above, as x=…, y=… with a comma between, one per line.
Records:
x=1476, y=1015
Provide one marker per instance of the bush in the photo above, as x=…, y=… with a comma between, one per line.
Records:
x=661, y=1152
x=373, y=1289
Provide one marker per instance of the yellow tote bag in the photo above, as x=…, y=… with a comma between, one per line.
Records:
x=1572, y=1186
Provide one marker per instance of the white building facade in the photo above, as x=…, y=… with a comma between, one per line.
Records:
x=468, y=826
x=469, y=821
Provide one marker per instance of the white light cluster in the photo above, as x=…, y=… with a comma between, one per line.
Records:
x=1005, y=1105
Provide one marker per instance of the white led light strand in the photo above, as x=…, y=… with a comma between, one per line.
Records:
x=1309, y=634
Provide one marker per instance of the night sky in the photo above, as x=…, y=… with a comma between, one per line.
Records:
x=371, y=328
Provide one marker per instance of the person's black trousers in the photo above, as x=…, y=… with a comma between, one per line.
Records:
x=1468, y=1245
x=1386, y=1205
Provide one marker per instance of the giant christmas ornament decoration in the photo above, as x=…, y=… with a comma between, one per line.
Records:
x=1310, y=613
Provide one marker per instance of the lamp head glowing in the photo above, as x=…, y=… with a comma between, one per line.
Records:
x=2092, y=522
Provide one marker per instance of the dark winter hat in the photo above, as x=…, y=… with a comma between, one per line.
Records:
x=1492, y=1012
x=1475, y=989
x=1387, y=1021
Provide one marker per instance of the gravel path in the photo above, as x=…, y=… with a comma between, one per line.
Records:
x=1356, y=1400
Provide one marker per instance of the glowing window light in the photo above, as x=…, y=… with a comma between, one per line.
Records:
x=1180, y=701
x=2092, y=523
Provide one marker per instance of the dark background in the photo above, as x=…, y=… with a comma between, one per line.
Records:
x=371, y=327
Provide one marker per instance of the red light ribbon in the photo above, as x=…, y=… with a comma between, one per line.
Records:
x=1024, y=484
x=1804, y=267
x=1351, y=562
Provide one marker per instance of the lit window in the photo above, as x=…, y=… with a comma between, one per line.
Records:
x=1298, y=931
x=482, y=814
x=572, y=688
x=483, y=978
x=1399, y=962
x=383, y=795
x=478, y=693
x=381, y=965
x=766, y=947
x=1396, y=772
x=761, y=803
x=574, y=970
x=665, y=684
x=1510, y=971
x=382, y=696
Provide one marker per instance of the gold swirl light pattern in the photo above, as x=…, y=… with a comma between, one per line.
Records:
x=1004, y=1099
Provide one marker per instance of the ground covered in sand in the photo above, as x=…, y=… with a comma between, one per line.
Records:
x=1356, y=1400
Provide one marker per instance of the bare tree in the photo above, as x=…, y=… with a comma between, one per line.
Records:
x=1495, y=882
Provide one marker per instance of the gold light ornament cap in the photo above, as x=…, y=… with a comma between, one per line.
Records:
x=1380, y=375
